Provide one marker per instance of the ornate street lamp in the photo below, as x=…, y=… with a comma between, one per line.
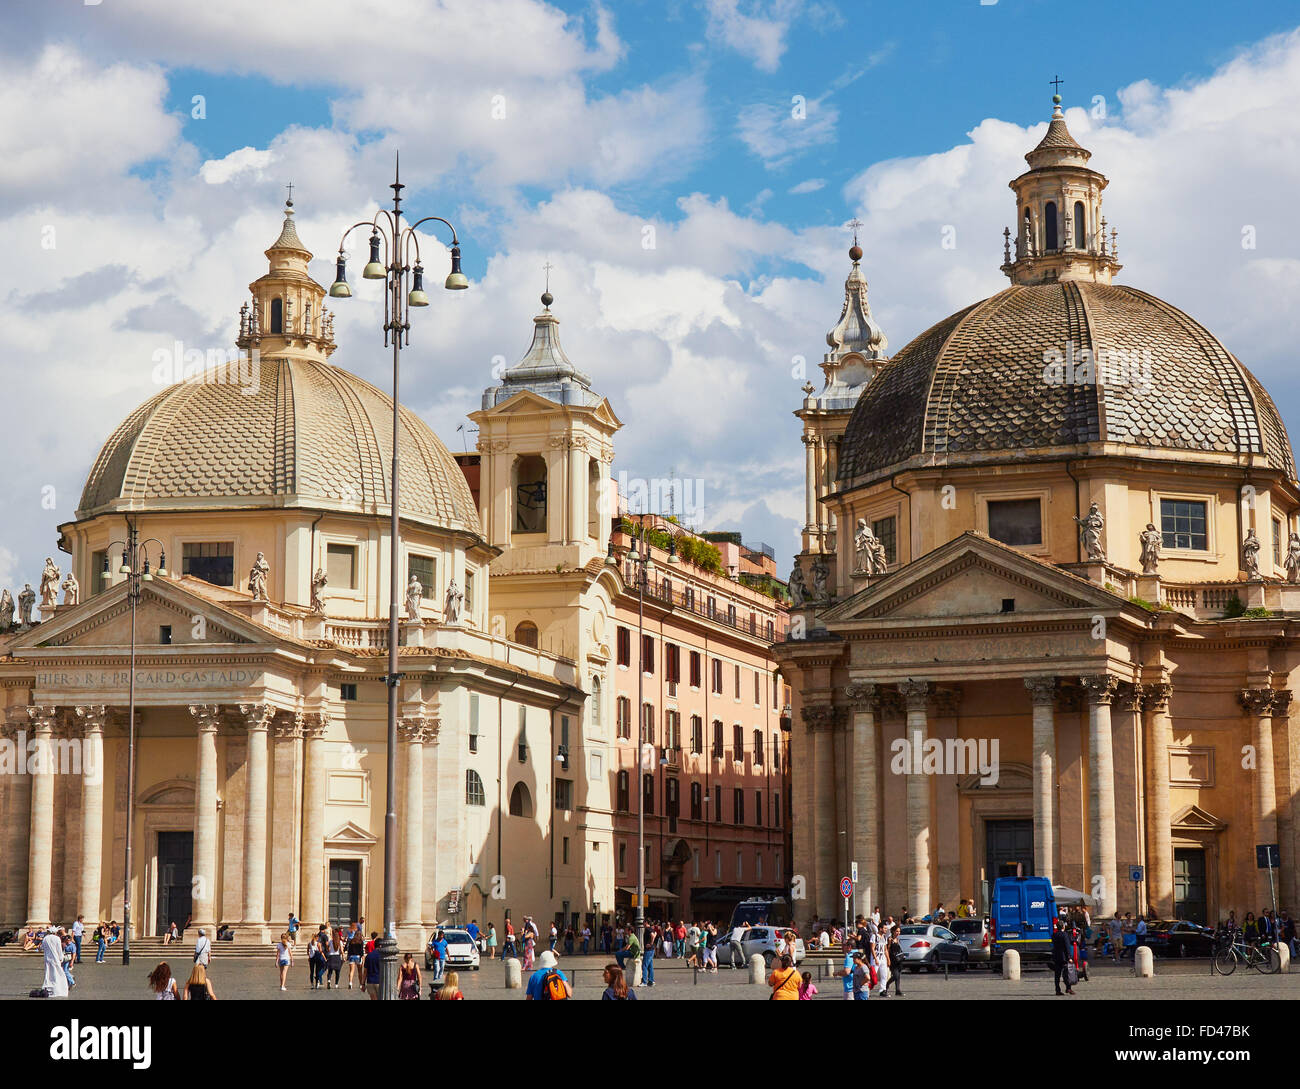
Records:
x=135, y=566
x=401, y=250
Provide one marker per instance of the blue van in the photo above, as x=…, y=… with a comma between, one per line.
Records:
x=1024, y=913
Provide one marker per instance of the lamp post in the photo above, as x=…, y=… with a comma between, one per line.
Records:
x=137, y=572
x=400, y=244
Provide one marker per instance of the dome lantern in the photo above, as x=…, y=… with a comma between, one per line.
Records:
x=1058, y=235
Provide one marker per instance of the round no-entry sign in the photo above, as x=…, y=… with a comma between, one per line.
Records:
x=846, y=887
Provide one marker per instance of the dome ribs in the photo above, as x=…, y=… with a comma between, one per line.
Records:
x=1086, y=401
x=286, y=433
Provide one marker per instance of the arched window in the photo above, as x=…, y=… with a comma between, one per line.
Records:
x=1049, y=226
x=277, y=315
x=521, y=802
x=474, y=794
x=595, y=702
x=1080, y=234
x=530, y=494
x=526, y=633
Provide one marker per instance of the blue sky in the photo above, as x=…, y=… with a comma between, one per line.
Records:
x=617, y=119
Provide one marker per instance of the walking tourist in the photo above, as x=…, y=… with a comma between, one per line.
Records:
x=408, y=987
x=616, y=988
x=284, y=958
x=162, y=984
x=199, y=986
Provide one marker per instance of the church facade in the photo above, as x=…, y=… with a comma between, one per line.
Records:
x=1047, y=597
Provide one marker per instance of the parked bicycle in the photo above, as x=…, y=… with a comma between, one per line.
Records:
x=1233, y=950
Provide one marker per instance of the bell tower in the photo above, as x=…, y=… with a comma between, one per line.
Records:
x=1060, y=233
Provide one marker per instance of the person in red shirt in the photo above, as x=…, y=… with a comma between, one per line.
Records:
x=370, y=945
x=680, y=936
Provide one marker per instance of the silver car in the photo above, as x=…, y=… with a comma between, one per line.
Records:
x=760, y=940
x=926, y=945
x=977, y=936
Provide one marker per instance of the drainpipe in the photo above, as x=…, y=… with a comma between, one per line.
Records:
x=911, y=552
x=1078, y=513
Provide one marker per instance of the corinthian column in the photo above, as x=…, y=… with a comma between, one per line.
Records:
x=916, y=696
x=1042, y=693
x=207, y=718
x=1258, y=703
x=825, y=897
x=91, y=720
x=313, y=817
x=16, y=834
x=413, y=731
x=40, y=854
x=810, y=485
x=1160, y=842
x=256, y=720
x=1100, y=688
x=866, y=797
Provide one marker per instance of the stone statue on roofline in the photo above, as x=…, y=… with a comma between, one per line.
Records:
x=1293, y=558
x=1150, y=539
x=414, y=592
x=71, y=590
x=1090, y=527
x=821, y=572
x=6, y=611
x=1250, y=554
x=26, y=602
x=50, y=582
x=451, y=607
x=318, y=582
x=257, y=578
x=797, y=587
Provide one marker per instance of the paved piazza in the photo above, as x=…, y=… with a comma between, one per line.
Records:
x=247, y=978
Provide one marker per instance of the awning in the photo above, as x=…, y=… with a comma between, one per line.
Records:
x=1068, y=897
x=650, y=893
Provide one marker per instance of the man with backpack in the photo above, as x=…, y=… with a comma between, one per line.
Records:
x=548, y=983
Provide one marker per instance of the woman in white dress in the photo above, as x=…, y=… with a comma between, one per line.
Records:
x=880, y=951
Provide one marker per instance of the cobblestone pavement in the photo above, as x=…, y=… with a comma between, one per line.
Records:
x=246, y=978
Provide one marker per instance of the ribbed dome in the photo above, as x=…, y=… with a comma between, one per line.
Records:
x=309, y=434
x=972, y=387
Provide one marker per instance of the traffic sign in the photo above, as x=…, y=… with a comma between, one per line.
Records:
x=1135, y=874
x=846, y=888
x=1267, y=857
x=853, y=872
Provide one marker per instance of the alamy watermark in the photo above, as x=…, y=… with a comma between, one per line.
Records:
x=216, y=366
x=915, y=754
x=1100, y=367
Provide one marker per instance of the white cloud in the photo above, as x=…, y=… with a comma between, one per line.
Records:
x=809, y=186
x=779, y=134
x=760, y=36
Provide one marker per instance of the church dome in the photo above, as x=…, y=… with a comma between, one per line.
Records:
x=1054, y=369
x=288, y=432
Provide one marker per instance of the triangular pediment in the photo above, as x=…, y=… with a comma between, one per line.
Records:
x=529, y=403
x=973, y=576
x=350, y=834
x=1195, y=819
x=105, y=620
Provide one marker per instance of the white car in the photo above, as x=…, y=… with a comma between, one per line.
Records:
x=461, y=950
x=760, y=940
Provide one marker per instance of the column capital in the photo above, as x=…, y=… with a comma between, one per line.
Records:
x=916, y=694
x=91, y=718
x=819, y=717
x=1257, y=701
x=314, y=724
x=862, y=695
x=1099, y=687
x=42, y=718
x=1281, y=702
x=413, y=728
x=1155, y=697
x=1042, y=690
x=287, y=725
x=207, y=717
x=1129, y=696
x=256, y=716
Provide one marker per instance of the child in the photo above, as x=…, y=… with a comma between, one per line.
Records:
x=807, y=989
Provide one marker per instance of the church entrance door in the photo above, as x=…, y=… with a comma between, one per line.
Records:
x=175, y=879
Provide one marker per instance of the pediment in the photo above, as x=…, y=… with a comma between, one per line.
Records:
x=105, y=621
x=350, y=834
x=1195, y=819
x=1012, y=779
x=972, y=576
x=171, y=792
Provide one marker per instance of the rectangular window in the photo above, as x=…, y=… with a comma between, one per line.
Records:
x=740, y=865
x=717, y=805
x=695, y=864
x=648, y=794
x=738, y=806
x=648, y=654
x=624, y=717
x=624, y=647
x=621, y=802
x=211, y=561
x=717, y=676
x=778, y=867
x=776, y=810
x=717, y=739
x=737, y=683
x=1183, y=524
x=622, y=858
x=697, y=734
x=347, y=691
x=758, y=864
x=695, y=669
x=468, y=603
x=473, y=722
x=564, y=794
x=565, y=856
x=523, y=735
x=758, y=689
x=649, y=859
x=647, y=724
x=672, y=729
x=672, y=663
x=165, y=634
x=98, y=579
x=1016, y=521
x=424, y=569
x=1277, y=543
x=758, y=808
x=886, y=532
x=711, y=607
x=697, y=801
x=737, y=743
x=341, y=566
x=717, y=865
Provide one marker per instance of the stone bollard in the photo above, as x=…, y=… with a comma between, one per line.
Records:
x=1144, y=966
x=1283, y=953
x=1011, y=964
x=757, y=970
x=633, y=973
x=514, y=974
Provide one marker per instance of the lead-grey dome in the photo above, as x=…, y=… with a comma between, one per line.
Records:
x=972, y=387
